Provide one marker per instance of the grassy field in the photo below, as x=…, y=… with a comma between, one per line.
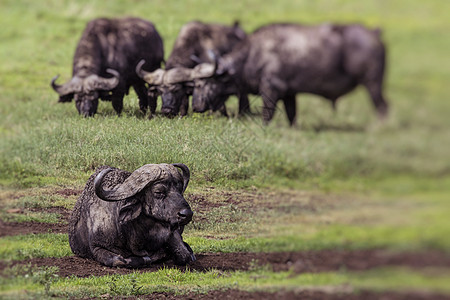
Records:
x=338, y=180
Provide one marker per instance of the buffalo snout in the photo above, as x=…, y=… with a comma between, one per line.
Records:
x=86, y=103
x=170, y=106
x=199, y=104
x=168, y=112
x=185, y=216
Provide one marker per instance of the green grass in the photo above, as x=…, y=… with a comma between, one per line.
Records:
x=285, y=237
x=338, y=180
x=20, y=247
x=39, y=147
x=31, y=217
x=181, y=282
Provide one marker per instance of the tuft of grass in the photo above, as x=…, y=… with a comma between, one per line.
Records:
x=182, y=282
x=42, y=217
x=21, y=247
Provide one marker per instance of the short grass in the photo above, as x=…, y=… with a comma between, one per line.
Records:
x=372, y=184
x=300, y=221
x=182, y=282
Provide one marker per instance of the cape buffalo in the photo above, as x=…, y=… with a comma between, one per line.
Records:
x=112, y=47
x=192, y=47
x=125, y=219
x=278, y=61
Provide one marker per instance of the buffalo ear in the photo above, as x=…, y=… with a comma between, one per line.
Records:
x=66, y=98
x=224, y=68
x=221, y=69
x=130, y=211
x=238, y=31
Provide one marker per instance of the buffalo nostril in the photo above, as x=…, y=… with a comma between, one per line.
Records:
x=185, y=214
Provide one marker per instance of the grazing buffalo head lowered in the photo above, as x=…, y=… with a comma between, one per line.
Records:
x=212, y=87
x=112, y=47
x=279, y=61
x=192, y=47
x=133, y=220
x=86, y=91
x=173, y=84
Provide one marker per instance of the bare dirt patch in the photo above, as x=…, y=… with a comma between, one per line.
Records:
x=68, y=192
x=298, y=262
x=200, y=203
x=301, y=294
x=17, y=228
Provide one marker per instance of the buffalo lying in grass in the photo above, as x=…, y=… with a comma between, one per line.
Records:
x=192, y=47
x=125, y=219
x=278, y=61
x=112, y=47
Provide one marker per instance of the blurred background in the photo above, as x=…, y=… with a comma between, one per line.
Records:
x=376, y=184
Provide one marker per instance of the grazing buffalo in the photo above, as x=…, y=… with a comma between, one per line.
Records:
x=112, y=47
x=125, y=219
x=280, y=60
x=191, y=48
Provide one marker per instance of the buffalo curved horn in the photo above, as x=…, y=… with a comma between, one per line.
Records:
x=152, y=78
x=186, y=174
x=177, y=75
x=141, y=73
x=95, y=82
x=72, y=86
x=204, y=70
x=135, y=183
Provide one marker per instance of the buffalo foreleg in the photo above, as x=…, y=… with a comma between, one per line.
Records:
x=269, y=105
x=184, y=107
x=117, y=101
x=291, y=108
x=181, y=252
x=111, y=259
x=376, y=93
x=141, y=92
x=244, y=104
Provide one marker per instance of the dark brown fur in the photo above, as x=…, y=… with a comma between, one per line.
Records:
x=138, y=230
x=280, y=60
x=117, y=44
x=191, y=47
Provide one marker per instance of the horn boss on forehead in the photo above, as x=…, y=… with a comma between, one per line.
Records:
x=135, y=183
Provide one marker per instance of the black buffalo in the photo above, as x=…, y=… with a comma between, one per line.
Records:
x=125, y=219
x=193, y=46
x=104, y=64
x=278, y=61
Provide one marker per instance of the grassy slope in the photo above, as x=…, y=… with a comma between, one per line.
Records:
x=40, y=147
x=388, y=182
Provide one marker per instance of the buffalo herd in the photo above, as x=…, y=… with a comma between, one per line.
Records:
x=211, y=62
x=133, y=219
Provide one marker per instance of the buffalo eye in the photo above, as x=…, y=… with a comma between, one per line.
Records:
x=180, y=185
x=159, y=191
